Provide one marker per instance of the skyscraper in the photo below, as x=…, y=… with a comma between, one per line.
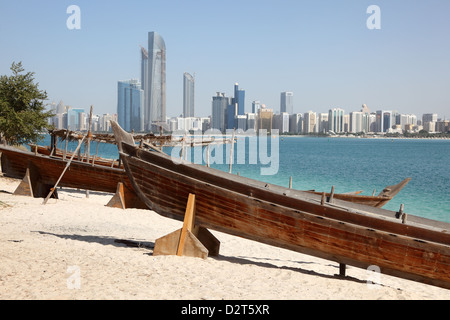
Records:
x=239, y=99
x=255, y=106
x=144, y=79
x=130, y=105
x=219, y=111
x=155, y=81
x=336, y=120
x=188, y=95
x=287, y=102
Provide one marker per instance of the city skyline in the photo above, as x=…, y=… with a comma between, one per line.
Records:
x=322, y=51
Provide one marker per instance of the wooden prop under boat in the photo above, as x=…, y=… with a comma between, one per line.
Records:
x=340, y=231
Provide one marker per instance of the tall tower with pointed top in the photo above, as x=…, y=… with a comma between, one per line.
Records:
x=154, y=80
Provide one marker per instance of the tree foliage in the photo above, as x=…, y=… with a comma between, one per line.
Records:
x=22, y=110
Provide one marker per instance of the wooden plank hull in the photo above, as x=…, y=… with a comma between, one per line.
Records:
x=59, y=154
x=290, y=219
x=374, y=201
x=80, y=175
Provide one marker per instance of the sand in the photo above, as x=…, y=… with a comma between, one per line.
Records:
x=70, y=249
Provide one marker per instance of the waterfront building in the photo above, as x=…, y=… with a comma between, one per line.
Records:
x=188, y=95
x=295, y=123
x=60, y=108
x=336, y=120
x=240, y=122
x=265, y=119
x=105, y=121
x=384, y=120
x=310, y=122
x=58, y=120
x=372, y=122
x=154, y=80
x=219, y=109
x=322, y=122
x=73, y=118
x=346, y=123
x=239, y=99
x=287, y=102
x=429, y=117
x=251, y=121
x=231, y=114
x=281, y=122
x=130, y=105
x=365, y=109
x=255, y=106
x=356, y=122
x=388, y=120
x=406, y=119
x=443, y=126
x=429, y=126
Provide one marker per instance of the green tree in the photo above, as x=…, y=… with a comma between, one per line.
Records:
x=22, y=110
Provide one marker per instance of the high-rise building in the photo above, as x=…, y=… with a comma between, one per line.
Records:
x=356, y=121
x=281, y=122
x=336, y=120
x=144, y=78
x=255, y=106
x=130, y=105
x=429, y=117
x=154, y=80
x=60, y=108
x=265, y=119
x=188, y=95
x=295, y=123
x=219, y=111
x=384, y=120
x=73, y=118
x=231, y=114
x=251, y=121
x=388, y=120
x=322, y=122
x=239, y=99
x=287, y=102
x=310, y=122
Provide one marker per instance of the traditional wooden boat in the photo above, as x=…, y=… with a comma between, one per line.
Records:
x=417, y=249
x=59, y=153
x=378, y=201
x=45, y=172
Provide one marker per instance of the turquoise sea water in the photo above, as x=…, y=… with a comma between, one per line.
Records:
x=349, y=164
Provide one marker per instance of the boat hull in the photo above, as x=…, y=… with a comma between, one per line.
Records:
x=79, y=175
x=289, y=219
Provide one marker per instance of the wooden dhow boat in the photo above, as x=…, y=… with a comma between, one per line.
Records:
x=378, y=201
x=44, y=171
x=362, y=236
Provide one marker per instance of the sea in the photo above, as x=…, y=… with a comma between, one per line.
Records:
x=348, y=164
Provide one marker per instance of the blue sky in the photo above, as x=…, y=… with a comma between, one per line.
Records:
x=320, y=50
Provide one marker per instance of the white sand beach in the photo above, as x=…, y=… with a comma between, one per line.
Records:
x=70, y=249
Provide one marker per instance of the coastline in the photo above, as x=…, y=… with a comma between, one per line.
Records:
x=72, y=248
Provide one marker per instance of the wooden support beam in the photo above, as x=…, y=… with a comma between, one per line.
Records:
x=25, y=187
x=32, y=186
x=190, y=240
x=188, y=223
x=125, y=199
